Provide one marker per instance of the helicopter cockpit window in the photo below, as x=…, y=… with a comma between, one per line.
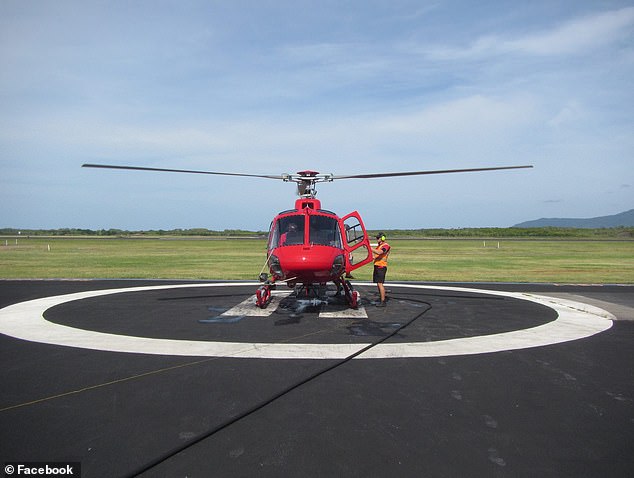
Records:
x=324, y=231
x=288, y=231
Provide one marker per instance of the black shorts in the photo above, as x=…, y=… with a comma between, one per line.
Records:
x=378, y=277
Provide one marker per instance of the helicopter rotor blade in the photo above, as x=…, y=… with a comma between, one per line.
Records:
x=419, y=173
x=166, y=170
x=303, y=179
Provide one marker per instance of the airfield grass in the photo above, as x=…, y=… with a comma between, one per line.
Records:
x=550, y=261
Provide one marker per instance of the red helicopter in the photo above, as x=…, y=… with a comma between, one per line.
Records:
x=308, y=246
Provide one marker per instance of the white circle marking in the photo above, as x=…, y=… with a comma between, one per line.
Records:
x=575, y=320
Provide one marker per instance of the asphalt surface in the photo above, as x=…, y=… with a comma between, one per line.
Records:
x=559, y=410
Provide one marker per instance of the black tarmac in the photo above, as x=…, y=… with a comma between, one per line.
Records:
x=564, y=410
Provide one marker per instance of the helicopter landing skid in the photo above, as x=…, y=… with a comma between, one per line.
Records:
x=316, y=293
x=263, y=295
x=307, y=291
x=351, y=295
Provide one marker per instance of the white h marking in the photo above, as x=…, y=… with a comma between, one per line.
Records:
x=247, y=308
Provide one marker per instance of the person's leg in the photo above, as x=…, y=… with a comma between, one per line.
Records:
x=379, y=278
x=381, y=291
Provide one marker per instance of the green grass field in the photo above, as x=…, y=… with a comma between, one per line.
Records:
x=553, y=261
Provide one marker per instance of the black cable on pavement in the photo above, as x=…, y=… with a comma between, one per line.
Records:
x=169, y=454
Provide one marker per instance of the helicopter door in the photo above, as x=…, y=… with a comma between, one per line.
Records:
x=356, y=242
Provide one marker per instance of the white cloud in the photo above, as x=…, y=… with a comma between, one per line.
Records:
x=216, y=86
x=475, y=113
x=576, y=36
x=570, y=113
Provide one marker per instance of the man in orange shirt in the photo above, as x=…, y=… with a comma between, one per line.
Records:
x=381, y=252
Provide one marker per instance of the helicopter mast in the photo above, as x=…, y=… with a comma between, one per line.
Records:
x=307, y=181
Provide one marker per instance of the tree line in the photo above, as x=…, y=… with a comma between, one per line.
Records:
x=128, y=233
x=623, y=233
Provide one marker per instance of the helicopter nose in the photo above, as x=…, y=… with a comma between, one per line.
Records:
x=314, y=264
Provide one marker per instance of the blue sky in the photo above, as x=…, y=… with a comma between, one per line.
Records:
x=339, y=87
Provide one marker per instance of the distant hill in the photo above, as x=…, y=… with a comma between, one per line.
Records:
x=625, y=219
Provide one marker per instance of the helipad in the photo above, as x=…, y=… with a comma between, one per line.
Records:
x=574, y=320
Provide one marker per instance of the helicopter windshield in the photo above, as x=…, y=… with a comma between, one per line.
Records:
x=324, y=231
x=288, y=231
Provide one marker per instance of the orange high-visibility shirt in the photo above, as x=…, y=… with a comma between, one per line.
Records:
x=381, y=259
